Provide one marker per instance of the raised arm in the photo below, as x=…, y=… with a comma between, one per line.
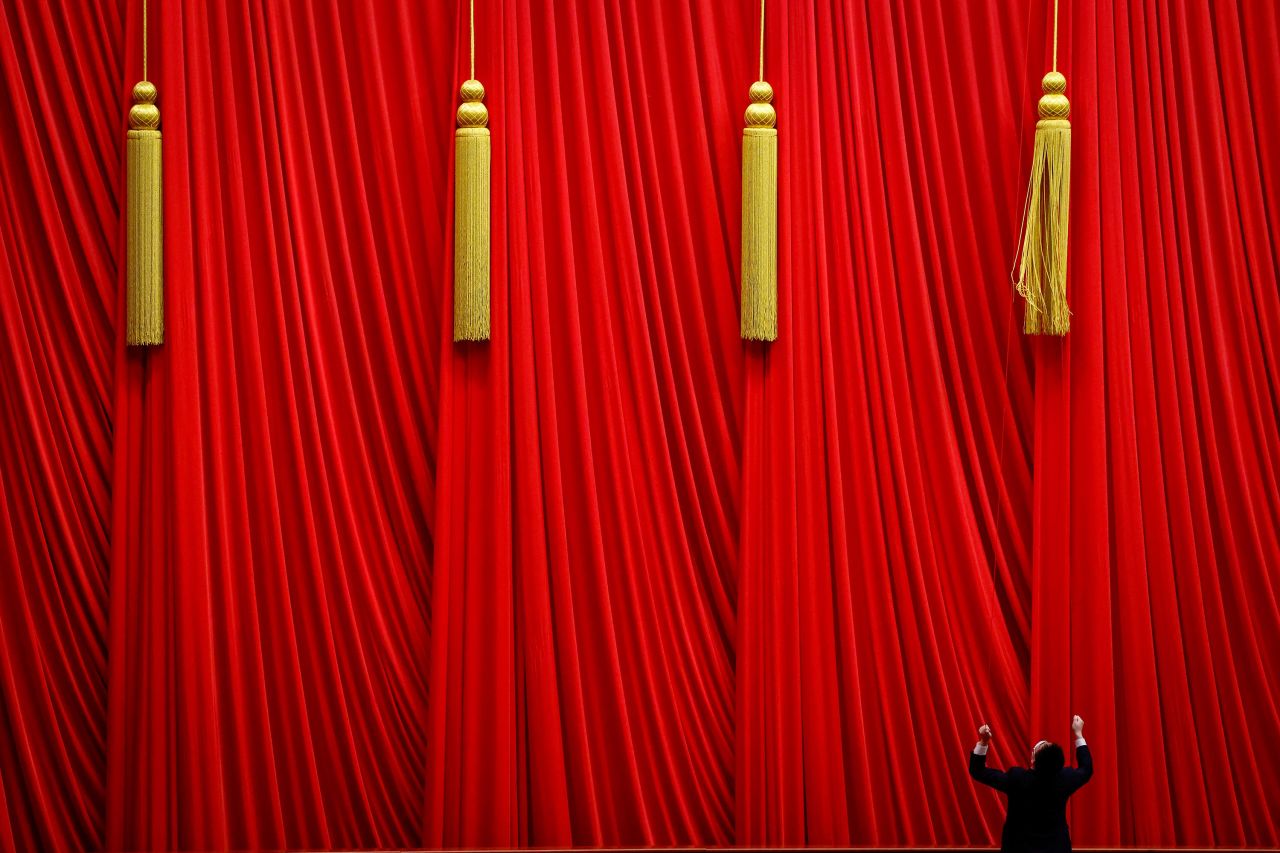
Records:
x=1083, y=772
x=978, y=768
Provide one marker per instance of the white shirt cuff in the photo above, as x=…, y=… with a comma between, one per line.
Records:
x=980, y=749
x=1079, y=742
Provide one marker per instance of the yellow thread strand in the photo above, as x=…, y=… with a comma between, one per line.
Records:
x=759, y=320
x=144, y=39
x=145, y=259
x=761, y=41
x=473, y=39
x=1043, y=271
x=471, y=236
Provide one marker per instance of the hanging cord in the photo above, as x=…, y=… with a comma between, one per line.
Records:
x=1055, y=35
x=144, y=39
x=761, y=41
x=473, y=39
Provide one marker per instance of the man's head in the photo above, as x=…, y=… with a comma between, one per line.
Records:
x=1047, y=758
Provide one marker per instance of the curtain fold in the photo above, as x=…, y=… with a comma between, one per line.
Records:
x=583, y=625
x=311, y=575
x=1157, y=428
x=885, y=541
x=59, y=222
x=272, y=536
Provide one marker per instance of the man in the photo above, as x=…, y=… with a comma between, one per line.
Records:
x=1037, y=817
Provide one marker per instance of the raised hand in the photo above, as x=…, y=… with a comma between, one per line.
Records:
x=1077, y=725
x=984, y=733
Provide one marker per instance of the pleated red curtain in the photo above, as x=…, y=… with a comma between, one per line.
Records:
x=886, y=549
x=59, y=272
x=274, y=460
x=311, y=575
x=583, y=621
x=1156, y=428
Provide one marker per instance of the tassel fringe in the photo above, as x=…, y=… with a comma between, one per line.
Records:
x=144, y=247
x=1042, y=272
x=759, y=314
x=471, y=218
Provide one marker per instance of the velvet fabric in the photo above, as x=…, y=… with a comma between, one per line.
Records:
x=312, y=575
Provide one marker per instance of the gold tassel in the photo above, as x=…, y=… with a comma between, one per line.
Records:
x=1042, y=273
x=144, y=250
x=760, y=217
x=471, y=218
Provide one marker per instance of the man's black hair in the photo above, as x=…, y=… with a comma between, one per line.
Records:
x=1049, y=761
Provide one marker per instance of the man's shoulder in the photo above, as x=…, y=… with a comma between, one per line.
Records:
x=1017, y=772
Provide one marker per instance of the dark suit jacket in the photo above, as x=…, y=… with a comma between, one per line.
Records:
x=1037, y=818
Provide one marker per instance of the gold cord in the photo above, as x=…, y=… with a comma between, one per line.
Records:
x=761, y=41
x=1055, y=35
x=144, y=39
x=473, y=39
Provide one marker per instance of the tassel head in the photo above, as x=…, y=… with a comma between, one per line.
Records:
x=761, y=112
x=759, y=311
x=144, y=249
x=1053, y=103
x=1042, y=271
x=473, y=112
x=144, y=114
x=471, y=217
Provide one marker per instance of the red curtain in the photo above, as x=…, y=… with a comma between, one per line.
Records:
x=60, y=150
x=310, y=575
x=274, y=487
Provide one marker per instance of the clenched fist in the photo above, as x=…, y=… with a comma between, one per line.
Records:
x=984, y=733
x=1077, y=725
